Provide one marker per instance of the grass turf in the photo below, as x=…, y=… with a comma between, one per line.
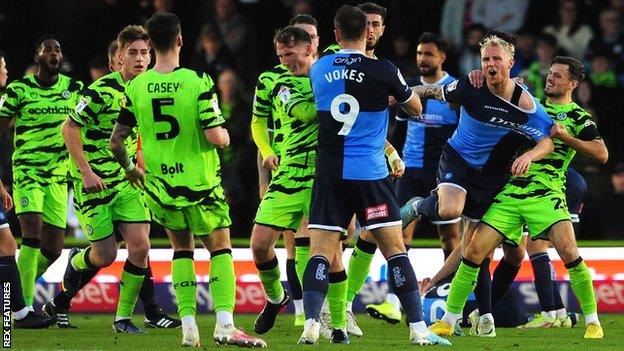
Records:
x=95, y=333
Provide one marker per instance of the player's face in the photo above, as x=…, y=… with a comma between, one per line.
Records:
x=375, y=28
x=294, y=57
x=135, y=58
x=558, y=81
x=313, y=34
x=429, y=59
x=114, y=64
x=4, y=74
x=496, y=63
x=50, y=55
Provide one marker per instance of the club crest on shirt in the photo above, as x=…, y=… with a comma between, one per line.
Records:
x=284, y=94
x=66, y=94
x=452, y=86
x=561, y=116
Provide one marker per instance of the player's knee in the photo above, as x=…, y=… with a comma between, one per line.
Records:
x=31, y=226
x=8, y=246
x=449, y=212
x=474, y=254
x=103, y=258
x=568, y=254
x=260, y=250
x=139, y=249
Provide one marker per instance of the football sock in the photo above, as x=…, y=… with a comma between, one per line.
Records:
x=581, y=282
x=462, y=285
x=359, y=266
x=81, y=261
x=543, y=280
x=483, y=289
x=269, y=273
x=337, y=298
x=131, y=280
x=184, y=282
x=27, y=265
x=315, y=286
x=44, y=260
x=147, y=294
x=504, y=275
x=63, y=299
x=293, y=280
x=302, y=254
x=9, y=273
x=405, y=286
x=222, y=280
x=429, y=208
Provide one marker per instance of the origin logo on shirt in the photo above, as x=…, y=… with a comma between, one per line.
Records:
x=374, y=212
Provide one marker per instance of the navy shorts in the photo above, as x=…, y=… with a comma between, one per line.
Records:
x=481, y=187
x=416, y=182
x=576, y=189
x=334, y=201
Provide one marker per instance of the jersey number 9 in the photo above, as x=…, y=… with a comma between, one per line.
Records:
x=348, y=103
x=174, y=126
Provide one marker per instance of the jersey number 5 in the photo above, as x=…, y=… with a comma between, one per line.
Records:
x=174, y=126
x=348, y=103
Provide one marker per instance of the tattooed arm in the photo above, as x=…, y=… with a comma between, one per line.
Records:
x=429, y=91
x=116, y=143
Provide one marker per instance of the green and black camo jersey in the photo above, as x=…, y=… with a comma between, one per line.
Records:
x=39, y=112
x=300, y=137
x=332, y=49
x=551, y=170
x=263, y=107
x=96, y=113
x=172, y=110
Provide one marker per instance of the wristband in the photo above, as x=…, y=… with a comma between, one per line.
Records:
x=393, y=157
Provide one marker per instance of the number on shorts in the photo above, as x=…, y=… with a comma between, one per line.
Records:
x=347, y=118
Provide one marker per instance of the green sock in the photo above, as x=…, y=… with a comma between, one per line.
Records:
x=337, y=299
x=302, y=255
x=462, y=285
x=42, y=263
x=581, y=282
x=359, y=266
x=27, y=266
x=269, y=273
x=184, y=282
x=222, y=281
x=131, y=281
x=80, y=262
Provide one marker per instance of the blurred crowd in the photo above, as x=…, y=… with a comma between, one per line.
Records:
x=232, y=41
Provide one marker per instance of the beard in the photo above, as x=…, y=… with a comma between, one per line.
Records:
x=371, y=45
x=427, y=72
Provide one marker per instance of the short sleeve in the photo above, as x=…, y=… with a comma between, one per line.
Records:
x=397, y=84
x=208, y=104
x=261, y=101
x=585, y=129
x=9, y=102
x=127, y=118
x=89, y=105
x=456, y=91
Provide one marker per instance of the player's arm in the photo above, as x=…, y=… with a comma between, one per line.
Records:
x=449, y=267
x=260, y=136
x=396, y=163
x=218, y=136
x=264, y=176
x=125, y=122
x=92, y=183
x=5, y=198
x=435, y=92
x=210, y=117
x=9, y=103
x=521, y=164
x=594, y=149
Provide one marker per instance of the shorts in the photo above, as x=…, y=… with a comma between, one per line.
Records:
x=200, y=219
x=416, y=182
x=480, y=187
x=334, y=201
x=576, y=189
x=99, y=212
x=36, y=194
x=287, y=199
x=537, y=206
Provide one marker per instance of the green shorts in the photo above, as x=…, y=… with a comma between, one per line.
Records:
x=288, y=198
x=45, y=195
x=201, y=219
x=98, y=212
x=537, y=206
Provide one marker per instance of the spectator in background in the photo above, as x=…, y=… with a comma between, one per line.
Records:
x=237, y=36
x=238, y=161
x=98, y=67
x=402, y=57
x=502, y=15
x=572, y=34
x=212, y=55
x=525, y=53
x=454, y=20
x=610, y=38
x=535, y=75
x=163, y=5
x=608, y=215
x=470, y=55
x=301, y=7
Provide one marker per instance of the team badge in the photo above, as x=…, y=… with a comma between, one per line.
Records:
x=448, y=176
x=24, y=201
x=215, y=104
x=451, y=86
x=66, y=94
x=89, y=229
x=33, y=95
x=284, y=94
x=561, y=116
x=2, y=100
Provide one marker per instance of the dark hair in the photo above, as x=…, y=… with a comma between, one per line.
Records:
x=112, y=49
x=575, y=67
x=428, y=37
x=351, y=21
x=371, y=7
x=43, y=38
x=548, y=39
x=576, y=25
x=291, y=36
x=130, y=34
x=163, y=28
x=2, y=54
x=303, y=19
x=510, y=38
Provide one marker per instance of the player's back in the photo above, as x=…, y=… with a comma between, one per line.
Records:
x=172, y=110
x=351, y=93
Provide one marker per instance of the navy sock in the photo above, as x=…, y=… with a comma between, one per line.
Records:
x=429, y=207
x=63, y=299
x=9, y=273
x=543, y=280
x=403, y=282
x=390, y=288
x=146, y=294
x=558, y=302
x=504, y=275
x=315, y=286
x=293, y=280
x=483, y=290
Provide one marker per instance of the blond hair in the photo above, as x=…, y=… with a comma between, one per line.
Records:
x=493, y=40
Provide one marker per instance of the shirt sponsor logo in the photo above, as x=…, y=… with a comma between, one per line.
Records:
x=346, y=60
x=517, y=126
x=50, y=110
x=284, y=94
x=375, y=212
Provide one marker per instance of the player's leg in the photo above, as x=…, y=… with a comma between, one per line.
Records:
x=359, y=263
x=449, y=233
x=507, y=269
x=543, y=278
x=337, y=298
x=54, y=223
x=562, y=236
x=294, y=283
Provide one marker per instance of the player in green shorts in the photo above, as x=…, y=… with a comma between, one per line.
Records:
x=105, y=202
x=40, y=103
x=177, y=114
x=537, y=199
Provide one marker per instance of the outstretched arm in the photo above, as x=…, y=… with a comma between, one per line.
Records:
x=521, y=165
x=118, y=147
x=429, y=91
x=593, y=149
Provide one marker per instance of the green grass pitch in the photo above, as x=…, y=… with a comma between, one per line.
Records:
x=95, y=333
